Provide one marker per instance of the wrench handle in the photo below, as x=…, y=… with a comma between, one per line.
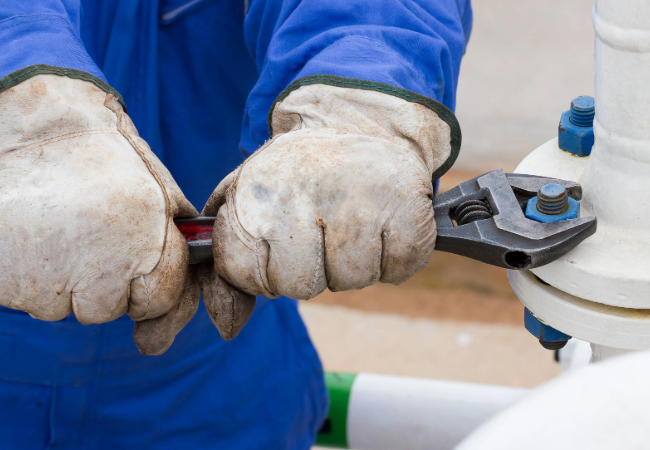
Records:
x=198, y=234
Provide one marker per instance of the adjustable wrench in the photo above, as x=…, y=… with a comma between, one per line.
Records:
x=482, y=219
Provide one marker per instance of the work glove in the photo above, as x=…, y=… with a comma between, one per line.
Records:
x=339, y=198
x=86, y=213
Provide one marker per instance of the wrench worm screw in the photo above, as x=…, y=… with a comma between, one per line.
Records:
x=471, y=211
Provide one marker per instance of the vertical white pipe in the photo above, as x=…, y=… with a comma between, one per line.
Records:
x=616, y=182
x=602, y=352
x=612, y=267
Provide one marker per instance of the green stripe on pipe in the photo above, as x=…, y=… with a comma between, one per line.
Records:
x=334, y=432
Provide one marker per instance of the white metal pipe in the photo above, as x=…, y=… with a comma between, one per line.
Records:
x=576, y=354
x=389, y=412
x=603, y=352
x=616, y=182
x=600, y=407
x=612, y=267
x=599, y=291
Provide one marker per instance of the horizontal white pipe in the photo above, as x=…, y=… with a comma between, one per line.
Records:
x=392, y=413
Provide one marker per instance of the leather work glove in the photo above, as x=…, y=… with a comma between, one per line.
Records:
x=86, y=213
x=339, y=198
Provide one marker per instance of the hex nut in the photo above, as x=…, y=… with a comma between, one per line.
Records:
x=572, y=212
x=548, y=336
x=574, y=139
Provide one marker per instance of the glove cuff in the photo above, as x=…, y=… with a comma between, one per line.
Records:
x=17, y=77
x=351, y=112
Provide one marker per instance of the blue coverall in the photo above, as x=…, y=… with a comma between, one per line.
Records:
x=189, y=71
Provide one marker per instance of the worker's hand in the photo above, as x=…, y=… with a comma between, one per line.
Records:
x=340, y=198
x=86, y=214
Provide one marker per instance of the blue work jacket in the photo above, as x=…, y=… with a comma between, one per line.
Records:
x=198, y=78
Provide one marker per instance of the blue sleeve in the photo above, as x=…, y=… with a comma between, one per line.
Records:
x=37, y=32
x=411, y=44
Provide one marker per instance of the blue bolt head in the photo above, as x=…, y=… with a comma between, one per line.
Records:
x=576, y=132
x=549, y=337
x=572, y=212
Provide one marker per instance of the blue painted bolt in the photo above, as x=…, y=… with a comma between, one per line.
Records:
x=549, y=337
x=582, y=111
x=552, y=199
x=552, y=204
x=576, y=132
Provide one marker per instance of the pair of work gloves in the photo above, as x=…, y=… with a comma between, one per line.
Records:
x=339, y=198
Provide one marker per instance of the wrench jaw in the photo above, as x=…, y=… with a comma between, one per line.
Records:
x=483, y=241
x=508, y=239
x=526, y=186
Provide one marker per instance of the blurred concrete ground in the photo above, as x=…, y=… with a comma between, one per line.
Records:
x=458, y=319
x=393, y=344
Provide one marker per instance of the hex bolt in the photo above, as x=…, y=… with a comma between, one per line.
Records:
x=582, y=111
x=552, y=199
x=549, y=337
x=576, y=132
x=552, y=204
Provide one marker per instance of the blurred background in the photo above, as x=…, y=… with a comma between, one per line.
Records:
x=458, y=319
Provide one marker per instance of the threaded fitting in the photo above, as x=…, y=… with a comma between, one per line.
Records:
x=552, y=199
x=582, y=111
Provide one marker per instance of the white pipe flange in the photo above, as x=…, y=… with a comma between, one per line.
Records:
x=593, y=322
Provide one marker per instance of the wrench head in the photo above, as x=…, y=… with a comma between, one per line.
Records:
x=507, y=239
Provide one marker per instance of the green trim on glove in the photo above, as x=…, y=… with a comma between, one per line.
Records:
x=351, y=83
x=26, y=73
